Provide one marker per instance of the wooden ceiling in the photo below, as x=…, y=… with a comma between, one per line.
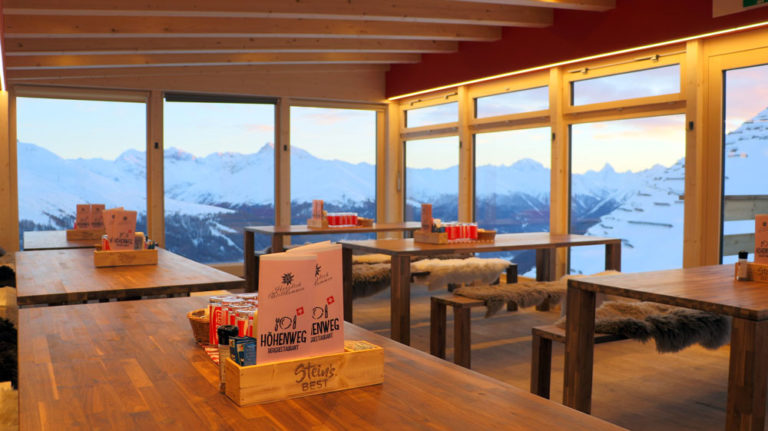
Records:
x=66, y=39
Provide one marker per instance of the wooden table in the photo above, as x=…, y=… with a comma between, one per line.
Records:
x=401, y=251
x=53, y=240
x=708, y=288
x=69, y=277
x=134, y=365
x=278, y=232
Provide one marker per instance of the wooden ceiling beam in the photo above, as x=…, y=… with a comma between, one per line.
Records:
x=87, y=46
x=19, y=76
x=17, y=26
x=588, y=5
x=166, y=60
x=421, y=11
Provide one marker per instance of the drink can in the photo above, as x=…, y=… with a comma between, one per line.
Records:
x=215, y=318
x=226, y=305
x=473, y=231
x=354, y=219
x=233, y=310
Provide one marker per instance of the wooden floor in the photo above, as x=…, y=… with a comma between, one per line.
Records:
x=634, y=386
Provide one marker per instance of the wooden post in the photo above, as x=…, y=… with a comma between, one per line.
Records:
x=579, y=348
x=748, y=371
x=9, y=202
x=249, y=260
x=401, y=299
x=545, y=270
x=282, y=168
x=613, y=256
x=346, y=271
x=466, y=156
x=155, y=176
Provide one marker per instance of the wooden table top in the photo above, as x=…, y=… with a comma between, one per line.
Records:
x=134, y=365
x=502, y=242
x=53, y=240
x=68, y=276
x=710, y=288
x=302, y=229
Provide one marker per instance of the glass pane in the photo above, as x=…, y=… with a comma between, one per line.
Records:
x=77, y=151
x=333, y=158
x=432, y=176
x=512, y=175
x=219, y=177
x=515, y=102
x=437, y=114
x=643, y=83
x=627, y=180
x=746, y=151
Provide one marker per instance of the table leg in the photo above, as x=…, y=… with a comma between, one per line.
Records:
x=277, y=243
x=613, y=256
x=346, y=271
x=249, y=259
x=545, y=270
x=748, y=371
x=579, y=348
x=401, y=299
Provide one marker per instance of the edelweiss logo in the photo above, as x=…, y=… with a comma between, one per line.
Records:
x=318, y=268
x=288, y=278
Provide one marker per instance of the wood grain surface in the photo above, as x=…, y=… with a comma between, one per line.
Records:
x=53, y=240
x=134, y=365
x=302, y=229
x=69, y=276
x=503, y=242
x=709, y=288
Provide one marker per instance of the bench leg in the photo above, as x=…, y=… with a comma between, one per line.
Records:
x=511, y=306
x=512, y=273
x=437, y=329
x=541, y=366
x=544, y=306
x=462, y=342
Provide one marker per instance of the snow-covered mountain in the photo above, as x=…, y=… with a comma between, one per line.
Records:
x=209, y=198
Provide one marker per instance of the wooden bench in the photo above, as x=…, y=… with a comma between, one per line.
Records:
x=541, y=354
x=461, y=322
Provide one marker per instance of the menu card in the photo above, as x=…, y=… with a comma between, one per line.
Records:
x=83, y=216
x=97, y=216
x=326, y=298
x=120, y=226
x=284, y=320
x=761, y=238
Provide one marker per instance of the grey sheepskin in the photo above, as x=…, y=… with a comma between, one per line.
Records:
x=524, y=294
x=370, y=279
x=438, y=273
x=672, y=328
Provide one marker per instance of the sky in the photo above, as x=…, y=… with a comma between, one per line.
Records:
x=105, y=129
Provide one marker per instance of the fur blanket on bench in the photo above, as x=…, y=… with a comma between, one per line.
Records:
x=523, y=294
x=438, y=273
x=673, y=328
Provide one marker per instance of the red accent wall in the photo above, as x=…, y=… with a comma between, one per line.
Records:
x=574, y=34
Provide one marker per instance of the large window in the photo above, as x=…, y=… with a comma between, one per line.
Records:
x=435, y=114
x=513, y=102
x=333, y=158
x=512, y=176
x=219, y=177
x=745, y=186
x=627, y=181
x=621, y=86
x=432, y=176
x=77, y=151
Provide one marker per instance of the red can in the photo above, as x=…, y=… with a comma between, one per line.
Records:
x=354, y=219
x=233, y=310
x=473, y=231
x=215, y=318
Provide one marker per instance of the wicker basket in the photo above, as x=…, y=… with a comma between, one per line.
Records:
x=198, y=319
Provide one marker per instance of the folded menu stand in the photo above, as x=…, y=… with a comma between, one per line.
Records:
x=124, y=257
x=84, y=234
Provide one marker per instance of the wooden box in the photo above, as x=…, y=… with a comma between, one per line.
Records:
x=361, y=364
x=430, y=237
x=84, y=234
x=124, y=257
x=755, y=272
x=364, y=222
x=486, y=235
x=317, y=223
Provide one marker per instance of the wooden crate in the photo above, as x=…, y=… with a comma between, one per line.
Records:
x=124, y=257
x=430, y=237
x=84, y=234
x=361, y=364
x=317, y=223
x=755, y=272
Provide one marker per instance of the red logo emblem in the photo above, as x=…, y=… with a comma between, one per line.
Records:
x=330, y=300
x=300, y=311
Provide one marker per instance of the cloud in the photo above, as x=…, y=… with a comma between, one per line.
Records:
x=261, y=128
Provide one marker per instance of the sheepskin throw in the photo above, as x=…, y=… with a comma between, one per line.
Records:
x=371, y=258
x=673, y=328
x=457, y=271
x=370, y=279
x=524, y=294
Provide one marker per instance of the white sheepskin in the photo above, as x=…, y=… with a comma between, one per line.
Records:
x=458, y=271
x=371, y=258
